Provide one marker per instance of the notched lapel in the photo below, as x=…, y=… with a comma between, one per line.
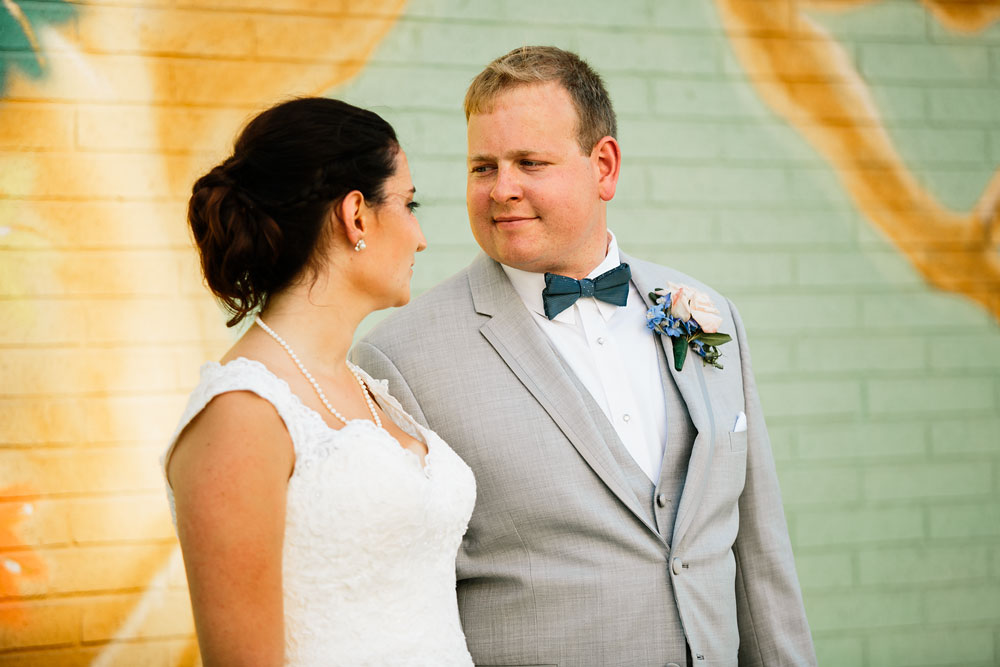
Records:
x=691, y=384
x=527, y=352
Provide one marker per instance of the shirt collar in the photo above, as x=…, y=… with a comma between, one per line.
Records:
x=529, y=286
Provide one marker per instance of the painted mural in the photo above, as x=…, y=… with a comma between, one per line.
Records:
x=800, y=70
x=109, y=108
x=107, y=114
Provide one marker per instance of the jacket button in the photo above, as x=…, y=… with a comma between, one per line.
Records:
x=661, y=500
x=676, y=565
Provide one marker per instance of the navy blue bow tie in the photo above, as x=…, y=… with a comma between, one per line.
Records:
x=562, y=292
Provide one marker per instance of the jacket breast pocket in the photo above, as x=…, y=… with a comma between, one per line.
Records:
x=738, y=441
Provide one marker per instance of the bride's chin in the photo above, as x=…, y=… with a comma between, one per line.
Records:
x=398, y=300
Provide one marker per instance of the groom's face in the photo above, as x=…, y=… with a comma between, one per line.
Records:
x=532, y=194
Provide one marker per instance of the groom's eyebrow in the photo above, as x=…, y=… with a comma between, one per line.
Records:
x=518, y=154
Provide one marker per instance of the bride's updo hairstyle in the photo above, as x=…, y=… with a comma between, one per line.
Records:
x=258, y=217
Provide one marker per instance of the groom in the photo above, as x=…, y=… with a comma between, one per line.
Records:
x=628, y=513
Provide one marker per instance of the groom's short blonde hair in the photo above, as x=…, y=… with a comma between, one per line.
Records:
x=541, y=64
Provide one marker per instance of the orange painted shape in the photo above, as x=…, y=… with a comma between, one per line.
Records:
x=967, y=16
x=814, y=87
x=18, y=564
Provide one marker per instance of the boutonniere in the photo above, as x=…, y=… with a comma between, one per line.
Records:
x=691, y=319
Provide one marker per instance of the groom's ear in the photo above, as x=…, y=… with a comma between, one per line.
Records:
x=351, y=215
x=606, y=158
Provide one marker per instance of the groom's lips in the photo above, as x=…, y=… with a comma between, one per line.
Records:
x=512, y=220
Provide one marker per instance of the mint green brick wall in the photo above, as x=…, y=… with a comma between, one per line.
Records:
x=882, y=394
x=963, y=647
x=975, y=106
x=924, y=62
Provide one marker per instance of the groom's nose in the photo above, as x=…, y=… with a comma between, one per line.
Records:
x=507, y=186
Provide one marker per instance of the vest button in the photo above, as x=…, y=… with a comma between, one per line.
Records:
x=661, y=500
x=676, y=565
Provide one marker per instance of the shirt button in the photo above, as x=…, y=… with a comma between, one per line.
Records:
x=626, y=417
x=600, y=340
x=676, y=565
x=661, y=500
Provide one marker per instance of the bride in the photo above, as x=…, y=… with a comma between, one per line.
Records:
x=319, y=522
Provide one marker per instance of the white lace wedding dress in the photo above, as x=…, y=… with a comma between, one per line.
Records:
x=370, y=536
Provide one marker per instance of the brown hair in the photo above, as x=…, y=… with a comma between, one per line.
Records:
x=258, y=217
x=539, y=64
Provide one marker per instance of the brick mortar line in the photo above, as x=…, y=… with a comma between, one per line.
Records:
x=152, y=494
x=90, y=394
x=151, y=543
x=97, y=643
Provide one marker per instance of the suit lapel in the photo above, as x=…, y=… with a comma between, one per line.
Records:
x=691, y=384
x=527, y=352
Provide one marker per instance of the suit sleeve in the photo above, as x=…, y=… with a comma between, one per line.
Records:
x=771, y=615
x=377, y=364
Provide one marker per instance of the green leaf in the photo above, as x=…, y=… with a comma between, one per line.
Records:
x=714, y=338
x=680, y=352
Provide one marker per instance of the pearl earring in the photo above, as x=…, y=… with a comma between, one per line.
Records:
x=360, y=245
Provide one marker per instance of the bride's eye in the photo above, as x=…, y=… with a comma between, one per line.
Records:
x=413, y=206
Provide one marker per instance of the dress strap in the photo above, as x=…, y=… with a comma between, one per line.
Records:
x=391, y=406
x=240, y=374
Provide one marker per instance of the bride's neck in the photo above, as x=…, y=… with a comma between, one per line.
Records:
x=318, y=326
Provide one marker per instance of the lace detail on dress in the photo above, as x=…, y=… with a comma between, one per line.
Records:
x=370, y=536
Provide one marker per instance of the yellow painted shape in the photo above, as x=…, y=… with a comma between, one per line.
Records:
x=103, y=316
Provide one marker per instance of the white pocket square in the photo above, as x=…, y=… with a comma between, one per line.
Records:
x=741, y=423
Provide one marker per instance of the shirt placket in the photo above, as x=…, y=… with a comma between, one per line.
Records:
x=622, y=409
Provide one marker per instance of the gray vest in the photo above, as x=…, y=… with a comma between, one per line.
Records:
x=660, y=500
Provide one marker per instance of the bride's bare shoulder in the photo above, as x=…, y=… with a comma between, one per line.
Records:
x=235, y=432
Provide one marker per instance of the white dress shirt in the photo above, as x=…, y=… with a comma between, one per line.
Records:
x=613, y=354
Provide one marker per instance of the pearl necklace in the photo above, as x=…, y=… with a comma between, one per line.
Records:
x=312, y=380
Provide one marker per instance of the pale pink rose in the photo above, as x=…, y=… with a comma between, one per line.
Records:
x=708, y=321
x=705, y=313
x=687, y=302
x=679, y=302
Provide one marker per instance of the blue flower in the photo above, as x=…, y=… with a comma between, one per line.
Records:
x=654, y=316
x=673, y=328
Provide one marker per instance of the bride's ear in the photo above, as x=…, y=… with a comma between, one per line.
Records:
x=351, y=215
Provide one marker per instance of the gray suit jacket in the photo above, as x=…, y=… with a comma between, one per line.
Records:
x=563, y=564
